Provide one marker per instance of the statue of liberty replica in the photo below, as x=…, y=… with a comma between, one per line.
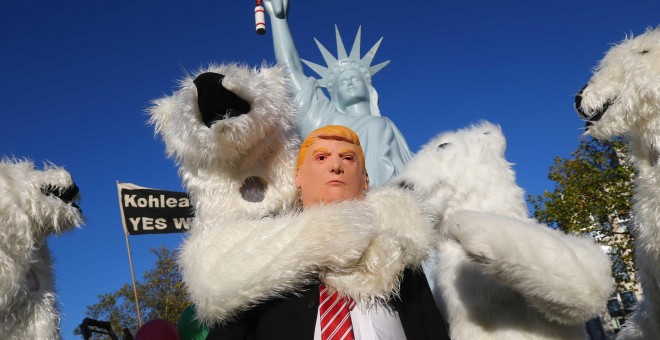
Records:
x=353, y=100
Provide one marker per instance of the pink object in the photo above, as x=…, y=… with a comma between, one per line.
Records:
x=157, y=329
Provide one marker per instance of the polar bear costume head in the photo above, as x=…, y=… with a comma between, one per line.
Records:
x=623, y=99
x=484, y=181
x=33, y=204
x=239, y=163
x=490, y=254
x=623, y=96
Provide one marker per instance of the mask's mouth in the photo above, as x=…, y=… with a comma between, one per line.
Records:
x=68, y=195
x=594, y=116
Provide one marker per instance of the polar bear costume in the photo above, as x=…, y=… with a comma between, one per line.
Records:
x=33, y=205
x=499, y=274
x=230, y=129
x=623, y=99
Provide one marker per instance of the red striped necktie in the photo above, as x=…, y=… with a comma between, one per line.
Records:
x=335, y=315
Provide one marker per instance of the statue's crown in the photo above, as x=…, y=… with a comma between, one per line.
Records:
x=345, y=61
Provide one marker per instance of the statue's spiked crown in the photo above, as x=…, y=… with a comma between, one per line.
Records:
x=346, y=61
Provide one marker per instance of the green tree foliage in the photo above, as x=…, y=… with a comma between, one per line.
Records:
x=592, y=196
x=161, y=295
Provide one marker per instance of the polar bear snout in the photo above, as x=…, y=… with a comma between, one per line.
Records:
x=591, y=115
x=68, y=195
x=215, y=101
x=578, y=104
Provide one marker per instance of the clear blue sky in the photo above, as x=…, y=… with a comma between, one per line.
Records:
x=77, y=77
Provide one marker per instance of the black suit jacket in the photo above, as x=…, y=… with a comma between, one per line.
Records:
x=294, y=316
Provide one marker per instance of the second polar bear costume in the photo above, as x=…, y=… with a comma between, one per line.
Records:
x=622, y=98
x=34, y=204
x=230, y=129
x=498, y=273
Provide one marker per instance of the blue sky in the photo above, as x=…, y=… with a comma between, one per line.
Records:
x=77, y=77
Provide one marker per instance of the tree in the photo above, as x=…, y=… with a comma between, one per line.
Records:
x=161, y=296
x=592, y=196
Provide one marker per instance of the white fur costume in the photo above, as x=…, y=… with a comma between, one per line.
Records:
x=29, y=212
x=241, y=252
x=623, y=99
x=500, y=274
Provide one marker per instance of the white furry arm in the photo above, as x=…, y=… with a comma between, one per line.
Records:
x=567, y=278
x=404, y=239
x=233, y=265
x=402, y=215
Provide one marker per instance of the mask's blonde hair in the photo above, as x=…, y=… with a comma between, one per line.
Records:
x=335, y=132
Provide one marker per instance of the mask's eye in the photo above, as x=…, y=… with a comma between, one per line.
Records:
x=644, y=52
x=442, y=146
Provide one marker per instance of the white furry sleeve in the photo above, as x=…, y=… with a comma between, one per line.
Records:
x=230, y=266
x=566, y=277
x=405, y=216
x=404, y=239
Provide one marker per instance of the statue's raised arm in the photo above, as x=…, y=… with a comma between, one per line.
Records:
x=353, y=100
x=285, y=49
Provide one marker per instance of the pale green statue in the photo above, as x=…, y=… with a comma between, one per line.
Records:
x=353, y=100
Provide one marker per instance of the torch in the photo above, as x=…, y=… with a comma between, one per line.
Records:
x=259, y=18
